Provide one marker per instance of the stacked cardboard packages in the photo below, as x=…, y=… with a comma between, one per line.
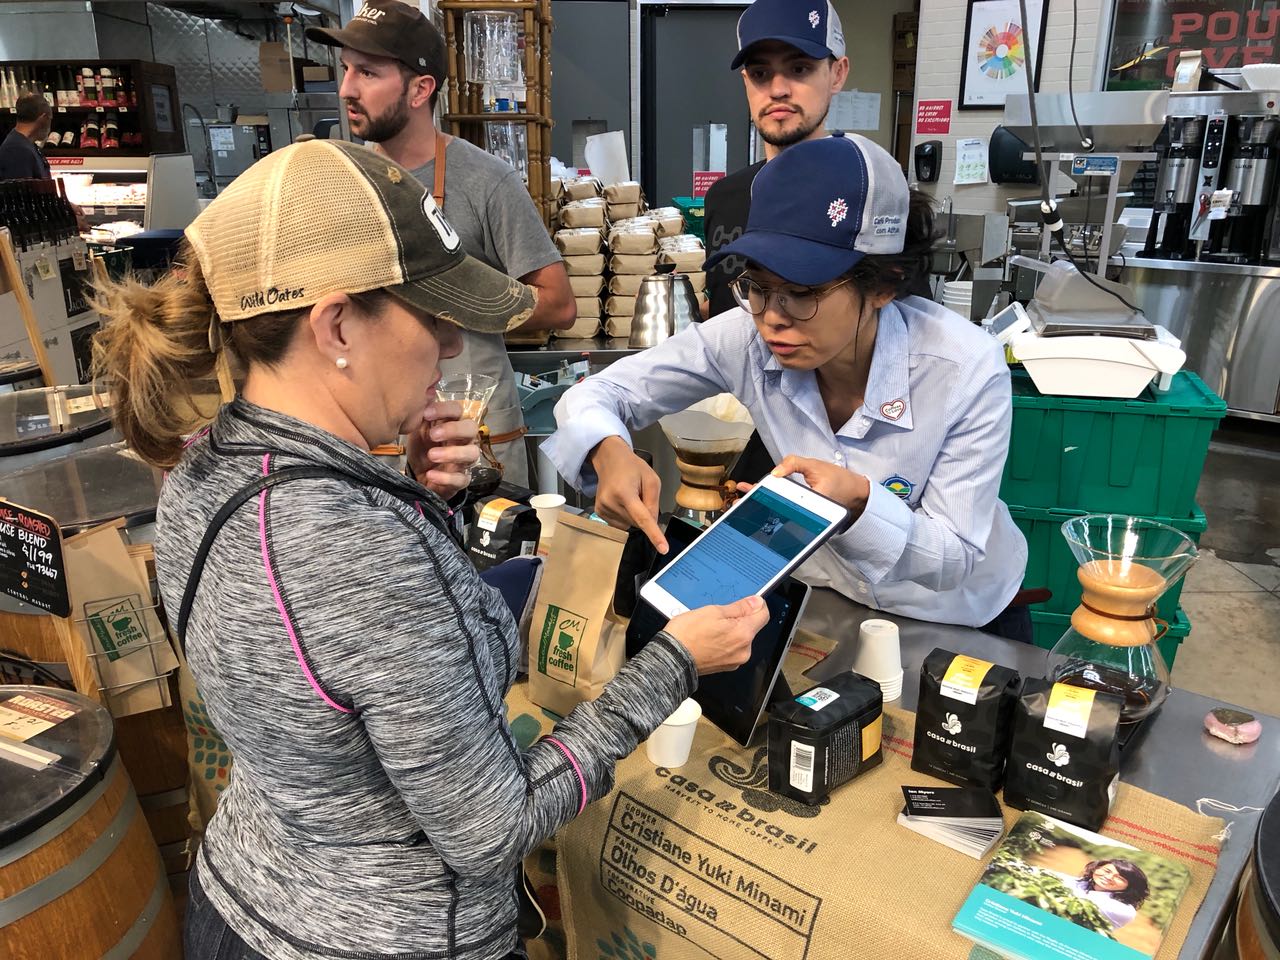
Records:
x=583, y=250
x=686, y=252
x=633, y=254
x=626, y=201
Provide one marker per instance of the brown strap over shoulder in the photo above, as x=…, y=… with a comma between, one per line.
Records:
x=442, y=153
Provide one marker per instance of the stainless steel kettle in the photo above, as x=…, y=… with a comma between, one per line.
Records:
x=665, y=304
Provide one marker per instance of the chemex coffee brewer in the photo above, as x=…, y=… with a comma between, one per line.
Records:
x=1126, y=564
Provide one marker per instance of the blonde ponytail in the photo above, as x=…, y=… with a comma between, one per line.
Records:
x=153, y=349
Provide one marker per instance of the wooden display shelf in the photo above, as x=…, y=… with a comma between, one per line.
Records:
x=494, y=117
x=466, y=116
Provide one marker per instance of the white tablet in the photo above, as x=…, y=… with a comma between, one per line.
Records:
x=759, y=540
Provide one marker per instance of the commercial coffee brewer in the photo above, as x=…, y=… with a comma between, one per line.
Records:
x=1250, y=175
x=1175, y=196
x=1216, y=185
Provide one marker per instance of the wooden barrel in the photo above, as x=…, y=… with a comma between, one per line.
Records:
x=80, y=875
x=1258, y=910
x=153, y=746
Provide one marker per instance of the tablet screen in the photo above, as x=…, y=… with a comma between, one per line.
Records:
x=740, y=555
x=733, y=701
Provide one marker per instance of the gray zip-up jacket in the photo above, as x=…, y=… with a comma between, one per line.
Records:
x=356, y=665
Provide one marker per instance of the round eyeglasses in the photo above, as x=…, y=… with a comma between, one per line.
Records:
x=798, y=303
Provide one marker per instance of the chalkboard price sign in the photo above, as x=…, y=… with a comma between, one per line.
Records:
x=31, y=567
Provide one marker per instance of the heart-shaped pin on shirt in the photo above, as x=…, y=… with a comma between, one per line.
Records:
x=893, y=409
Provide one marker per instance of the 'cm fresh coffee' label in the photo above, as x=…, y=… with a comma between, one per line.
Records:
x=561, y=641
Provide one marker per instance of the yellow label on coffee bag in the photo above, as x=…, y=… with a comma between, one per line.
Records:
x=491, y=512
x=1069, y=709
x=871, y=734
x=964, y=678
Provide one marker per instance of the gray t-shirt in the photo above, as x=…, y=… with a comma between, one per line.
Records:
x=486, y=202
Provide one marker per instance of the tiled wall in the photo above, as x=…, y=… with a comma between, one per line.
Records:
x=938, y=77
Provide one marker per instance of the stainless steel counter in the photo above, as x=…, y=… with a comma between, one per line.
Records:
x=1175, y=758
x=1228, y=319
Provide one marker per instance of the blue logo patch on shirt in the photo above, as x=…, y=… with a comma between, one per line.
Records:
x=899, y=486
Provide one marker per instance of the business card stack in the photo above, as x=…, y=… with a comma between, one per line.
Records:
x=967, y=819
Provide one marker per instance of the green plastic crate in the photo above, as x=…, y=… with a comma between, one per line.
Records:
x=1050, y=562
x=1142, y=457
x=691, y=208
x=1048, y=628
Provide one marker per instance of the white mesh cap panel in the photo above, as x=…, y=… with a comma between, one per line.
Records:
x=884, y=215
x=295, y=226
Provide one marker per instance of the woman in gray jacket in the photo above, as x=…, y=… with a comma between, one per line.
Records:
x=346, y=648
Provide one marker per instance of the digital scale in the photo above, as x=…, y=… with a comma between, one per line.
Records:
x=1078, y=340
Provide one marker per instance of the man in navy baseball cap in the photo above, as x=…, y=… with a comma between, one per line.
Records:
x=791, y=55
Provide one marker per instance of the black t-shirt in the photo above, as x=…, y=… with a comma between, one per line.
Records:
x=726, y=207
x=20, y=159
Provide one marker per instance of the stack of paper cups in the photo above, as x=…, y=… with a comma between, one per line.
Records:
x=957, y=295
x=879, y=656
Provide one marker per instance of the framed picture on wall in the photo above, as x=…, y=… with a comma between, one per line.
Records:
x=995, y=51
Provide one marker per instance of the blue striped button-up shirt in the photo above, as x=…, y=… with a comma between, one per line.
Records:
x=934, y=542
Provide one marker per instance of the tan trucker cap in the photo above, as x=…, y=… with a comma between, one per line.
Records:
x=324, y=216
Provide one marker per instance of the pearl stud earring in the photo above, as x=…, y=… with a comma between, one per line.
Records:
x=342, y=363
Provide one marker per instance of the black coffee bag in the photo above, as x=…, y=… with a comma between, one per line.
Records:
x=964, y=719
x=502, y=529
x=1065, y=758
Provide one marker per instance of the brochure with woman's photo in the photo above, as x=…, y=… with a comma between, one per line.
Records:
x=1052, y=889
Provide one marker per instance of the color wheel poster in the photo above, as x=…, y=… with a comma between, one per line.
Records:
x=996, y=51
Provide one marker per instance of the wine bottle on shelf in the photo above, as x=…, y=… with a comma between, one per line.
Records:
x=107, y=87
x=111, y=132
x=88, y=87
x=6, y=100
x=89, y=134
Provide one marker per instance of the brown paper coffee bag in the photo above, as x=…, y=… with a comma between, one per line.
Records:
x=576, y=646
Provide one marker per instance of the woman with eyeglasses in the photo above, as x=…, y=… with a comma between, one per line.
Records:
x=888, y=403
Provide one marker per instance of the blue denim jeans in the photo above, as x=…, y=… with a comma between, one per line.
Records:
x=206, y=936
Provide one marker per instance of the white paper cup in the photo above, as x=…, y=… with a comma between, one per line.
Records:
x=669, y=745
x=891, y=690
x=879, y=656
x=548, y=506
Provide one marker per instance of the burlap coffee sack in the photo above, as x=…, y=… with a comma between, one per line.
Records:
x=586, y=286
x=587, y=265
x=529, y=722
x=705, y=856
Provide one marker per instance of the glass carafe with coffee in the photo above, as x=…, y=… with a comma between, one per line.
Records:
x=707, y=438
x=474, y=391
x=1126, y=565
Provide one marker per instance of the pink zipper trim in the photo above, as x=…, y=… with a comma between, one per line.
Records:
x=275, y=593
x=582, y=781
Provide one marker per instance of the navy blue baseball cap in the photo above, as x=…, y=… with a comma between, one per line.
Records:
x=811, y=26
x=819, y=207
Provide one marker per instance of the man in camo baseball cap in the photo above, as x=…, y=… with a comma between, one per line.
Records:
x=325, y=216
